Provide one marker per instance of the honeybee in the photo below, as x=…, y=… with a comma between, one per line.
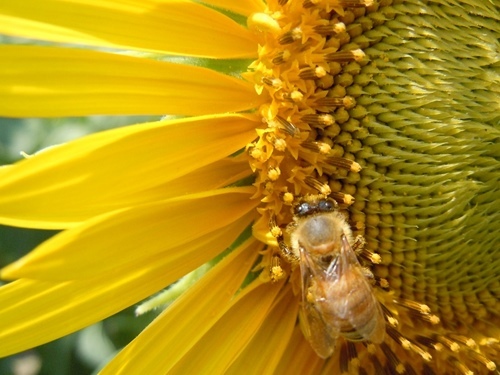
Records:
x=337, y=298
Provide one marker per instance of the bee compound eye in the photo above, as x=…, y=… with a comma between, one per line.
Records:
x=326, y=205
x=303, y=209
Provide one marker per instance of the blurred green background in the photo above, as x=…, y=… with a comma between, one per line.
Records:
x=86, y=351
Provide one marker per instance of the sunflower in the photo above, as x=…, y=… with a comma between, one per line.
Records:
x=391, y=108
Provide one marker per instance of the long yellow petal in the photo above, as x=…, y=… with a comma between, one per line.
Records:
x=178, y=328
x=216, y=175
x=172, y=27
x=126, y=236
x=245, y=7
x=35, y=312
x=215, y=352
x=54, y=82
x=68, y=184
x=299, y=357
x=264, y=352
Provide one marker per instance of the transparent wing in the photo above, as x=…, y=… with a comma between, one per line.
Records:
x=375, y=334
x=322, y=335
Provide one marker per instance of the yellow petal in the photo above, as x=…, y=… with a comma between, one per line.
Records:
x=173, y=27
x=54, y=82
x=215, y=352
x=264, y=352
x=216, y=175
x=178, y=328
x=299, y=357
x=65, y=185
x=126, y=236
x=35, y=312
x=245, y=7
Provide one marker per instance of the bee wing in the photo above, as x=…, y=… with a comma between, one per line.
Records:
x=377, y=334
x=321, y=336
x=359, y=306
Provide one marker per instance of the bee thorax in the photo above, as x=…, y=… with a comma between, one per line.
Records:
x=319, y=235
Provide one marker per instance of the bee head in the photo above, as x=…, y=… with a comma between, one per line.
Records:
x=309, y=207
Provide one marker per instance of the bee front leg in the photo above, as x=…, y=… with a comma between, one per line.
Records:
x=285, y=250
x=276, y=272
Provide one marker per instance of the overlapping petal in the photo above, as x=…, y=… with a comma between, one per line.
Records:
x=53, y=82
x=299, y=357
x=67, y=184
x=263, y=353
x=167, y=26
x=35, y=312
x=154, y=351
x=225, y=341
x=125, y=236
x=216, y=175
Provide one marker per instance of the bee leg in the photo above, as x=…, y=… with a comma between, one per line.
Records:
x=359, y=244
x=374, y=280
x=276, y=272
x=369, y=275
x=277, y=233
x=374, y=258
x=360, y=250
x=286, y=252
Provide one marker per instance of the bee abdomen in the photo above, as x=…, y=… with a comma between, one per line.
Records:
x=355, y=309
